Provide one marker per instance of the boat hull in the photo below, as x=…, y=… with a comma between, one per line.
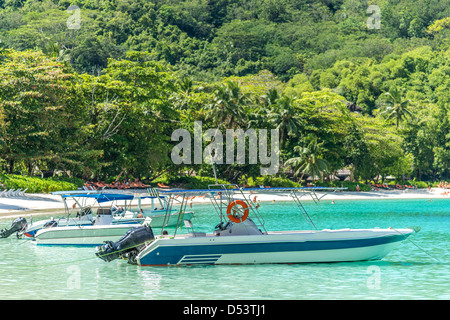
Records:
x=277, y=247
x=81, y=235
x=31, y=231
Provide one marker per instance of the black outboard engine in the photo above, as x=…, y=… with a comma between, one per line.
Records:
x=126, y=247
x=18, y=225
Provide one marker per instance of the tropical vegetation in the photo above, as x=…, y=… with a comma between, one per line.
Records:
x=100, y=99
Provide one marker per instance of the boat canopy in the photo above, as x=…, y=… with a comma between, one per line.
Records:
x=103, y=197
x=252, y=190
x=222, y=197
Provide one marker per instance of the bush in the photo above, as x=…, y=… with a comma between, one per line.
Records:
x=35, y=184
x=271, y=181
x=350, y=185
x=419, y=184
x=200, y=182
x=189, y=182
x=73, y=180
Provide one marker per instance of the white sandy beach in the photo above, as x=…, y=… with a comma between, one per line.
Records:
x=48, y=203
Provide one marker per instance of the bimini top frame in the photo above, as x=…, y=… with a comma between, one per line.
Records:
x=222, y=195
x=100, y=197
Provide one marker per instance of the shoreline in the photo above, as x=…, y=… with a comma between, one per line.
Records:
x=40, y=204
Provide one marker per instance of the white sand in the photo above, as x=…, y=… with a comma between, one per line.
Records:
x=48, y=203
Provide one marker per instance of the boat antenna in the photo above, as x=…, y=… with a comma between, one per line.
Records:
x=214, y=169
x=211, y=158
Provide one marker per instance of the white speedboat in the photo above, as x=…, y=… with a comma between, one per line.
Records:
x=112, y=220
x=80, y=214
x=240, y=237
x=33, y=227
x=99, y=231
x=93, y=235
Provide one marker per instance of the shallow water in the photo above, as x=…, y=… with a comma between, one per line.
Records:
x=417, y=269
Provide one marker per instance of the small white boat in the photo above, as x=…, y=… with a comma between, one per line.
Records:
x=81, y=235
x=28, y=230
x=111, y=221
x=84, y=235
x=125, y=212
x=240, y=237
x=81, y=214
x=34, y=227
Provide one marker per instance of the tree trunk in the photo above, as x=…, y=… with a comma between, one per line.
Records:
x=301, y=178
x=10, y=166
x=120, y=174
x=30, y=168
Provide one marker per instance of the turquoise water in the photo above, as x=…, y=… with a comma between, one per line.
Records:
x=409, y=272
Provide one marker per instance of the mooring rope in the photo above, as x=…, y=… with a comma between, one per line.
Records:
x=79, y=260
x=416, y=245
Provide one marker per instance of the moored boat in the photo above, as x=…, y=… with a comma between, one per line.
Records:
x=111, y=221
x=81, y=219
x=101, y=230
x=241, y=238
x=274, y=247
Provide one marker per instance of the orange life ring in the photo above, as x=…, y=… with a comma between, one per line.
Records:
x=244, y=206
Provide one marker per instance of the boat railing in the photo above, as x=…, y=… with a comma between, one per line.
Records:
x=301, y=208
x=227, y=196
x=222, y=195
x=253, y=207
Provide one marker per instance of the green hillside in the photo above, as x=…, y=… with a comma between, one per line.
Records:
x=97, y=90
x=217, y=38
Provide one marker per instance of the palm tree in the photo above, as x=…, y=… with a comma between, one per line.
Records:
x=395, y=106
x=181, y=98
x=285, y=117
x=227, y=107
x=262, y=106
x=270, y=98
x=309, y=160
x=186, y=85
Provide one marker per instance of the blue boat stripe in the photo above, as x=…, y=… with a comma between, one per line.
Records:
x=203, y=256
x=203, y=259
x=200, y=259
x=200, y=262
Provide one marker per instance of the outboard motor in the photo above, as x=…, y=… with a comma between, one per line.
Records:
x=126, y=247
x=18, y=225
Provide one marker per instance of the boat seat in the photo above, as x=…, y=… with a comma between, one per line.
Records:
x=128, y=214
x=104, y=211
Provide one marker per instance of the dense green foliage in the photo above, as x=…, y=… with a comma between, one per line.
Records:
x=101, y=101
x=216, y=38
x=35, y=184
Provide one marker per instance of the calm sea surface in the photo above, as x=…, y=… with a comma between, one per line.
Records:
x=415, y=270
